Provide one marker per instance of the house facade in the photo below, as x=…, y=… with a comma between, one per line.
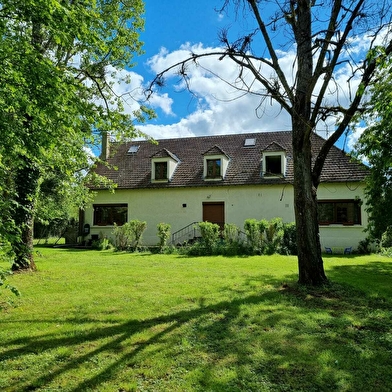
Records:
x=223, y=179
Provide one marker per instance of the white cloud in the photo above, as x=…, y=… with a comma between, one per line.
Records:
x=216, y=107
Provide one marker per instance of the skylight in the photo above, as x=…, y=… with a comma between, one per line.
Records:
x=250, y=142
x=133, y=149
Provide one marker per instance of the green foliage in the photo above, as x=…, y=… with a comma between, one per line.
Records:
x=267, y=237
x=210, y=233
x=273, y=236
x=364, y=246
x=6, y=255
x=289, y=240
x=60, y=63
x=129, y=235
x=231, y=233
x=260, y=237
x=103, y=243
x=375, y=144
x=163, y=234
x=253, y=235
x=386, y=242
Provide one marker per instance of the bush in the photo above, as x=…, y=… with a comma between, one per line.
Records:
x=163, y=234
x=273, y=236
x=210, y=236
x=386, y=242
x=102, y=244
x=364, y=246
x=6, y=254
x=129, y=235
x=289, y=240
x=253, y=236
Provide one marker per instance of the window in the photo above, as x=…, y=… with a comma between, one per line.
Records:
x=109, y=214
x=213, y=168
x=160, y=170
x=339, y=211
x=273, y=165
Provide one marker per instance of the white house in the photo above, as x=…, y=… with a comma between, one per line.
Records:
x=223, y=179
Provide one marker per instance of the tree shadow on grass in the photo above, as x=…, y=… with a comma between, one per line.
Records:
x=284, y=338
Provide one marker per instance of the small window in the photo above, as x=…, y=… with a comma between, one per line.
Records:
x=160, y=170
x=110, y=214
x=346, y=212
x=273, y=165
x=213, y=168
x=251, y=142
x=133, y=149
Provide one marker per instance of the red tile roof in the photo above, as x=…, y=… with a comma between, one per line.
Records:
x=133, y=170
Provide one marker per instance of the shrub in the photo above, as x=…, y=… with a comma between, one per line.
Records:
x=6, y=254
x=129, y=235
x=386, y=242
x=253, y=237
x=364, y=246
x=273, y=236
x=289, y=240
x=102, y=244
x=163, y=234
x=210, y=236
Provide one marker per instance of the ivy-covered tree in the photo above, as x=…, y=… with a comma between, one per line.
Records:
x=59, y=61
x=375, y=144
x=319, y=34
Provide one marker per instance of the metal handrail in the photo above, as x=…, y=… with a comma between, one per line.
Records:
x=185, y=234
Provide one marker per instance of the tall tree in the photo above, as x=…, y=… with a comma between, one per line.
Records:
x=320, y=33
x=375, y=144
x=59, y=60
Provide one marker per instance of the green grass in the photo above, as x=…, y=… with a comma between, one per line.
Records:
x=104, y=321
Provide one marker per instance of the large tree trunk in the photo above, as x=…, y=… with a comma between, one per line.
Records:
x=26, y=184
x=310, y=262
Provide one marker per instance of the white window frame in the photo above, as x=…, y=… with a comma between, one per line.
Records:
x=224, y=164
x=171, y=167
x=283, y=165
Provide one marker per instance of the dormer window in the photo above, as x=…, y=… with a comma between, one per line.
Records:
x=160, y=170
x=214, y=168
x=274, y=161
x=215, y=164
x=163, y=166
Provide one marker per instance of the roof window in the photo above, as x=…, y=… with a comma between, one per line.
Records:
x=249, y=142
x=133, y=149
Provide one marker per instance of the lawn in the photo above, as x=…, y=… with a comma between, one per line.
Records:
x=105, y=321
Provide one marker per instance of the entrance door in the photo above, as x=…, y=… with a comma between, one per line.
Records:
x=214, y=212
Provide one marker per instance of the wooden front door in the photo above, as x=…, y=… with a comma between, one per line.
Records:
x=214, y=212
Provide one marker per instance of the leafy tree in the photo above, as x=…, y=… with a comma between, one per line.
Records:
x=319, y=33
x=60, y=62
x=375, y=144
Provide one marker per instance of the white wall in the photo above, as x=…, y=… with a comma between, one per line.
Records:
x=241, y=202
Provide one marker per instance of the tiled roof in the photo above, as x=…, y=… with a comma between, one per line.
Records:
x=164, y=154
x=134, y=170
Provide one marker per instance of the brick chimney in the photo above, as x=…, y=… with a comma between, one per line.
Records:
x=105, y=146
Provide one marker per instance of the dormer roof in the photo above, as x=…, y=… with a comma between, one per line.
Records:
x=164, y=153
x=215, y=150
x=273, y=147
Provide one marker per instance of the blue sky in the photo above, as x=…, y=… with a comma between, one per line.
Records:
x=176, y=28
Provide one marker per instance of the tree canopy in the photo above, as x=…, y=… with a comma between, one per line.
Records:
x=60, y=61
x=375, y=145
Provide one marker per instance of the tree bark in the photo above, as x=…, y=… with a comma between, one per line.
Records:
x=26, y=185
x=310, y=262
